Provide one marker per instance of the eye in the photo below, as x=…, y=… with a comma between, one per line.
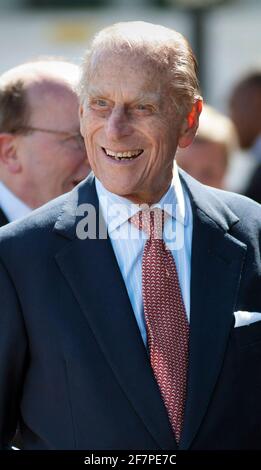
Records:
x=141, y=107
x=145, y=108
x=99, y=103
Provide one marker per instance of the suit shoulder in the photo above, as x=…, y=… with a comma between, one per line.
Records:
x=244, y=207
x=224, y=207
x=248, y=212
x=38, y=221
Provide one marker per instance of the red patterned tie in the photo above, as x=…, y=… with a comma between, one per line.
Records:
x=165, y=316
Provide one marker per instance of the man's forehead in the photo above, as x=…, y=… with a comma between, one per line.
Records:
x=110, y=54
x=118, y=62
x=106, y=90
x=133, y=74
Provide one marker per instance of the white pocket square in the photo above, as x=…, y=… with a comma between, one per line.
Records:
x=246, y=318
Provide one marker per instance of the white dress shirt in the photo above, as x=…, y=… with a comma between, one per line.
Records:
x=128, y=242
x=11, y=205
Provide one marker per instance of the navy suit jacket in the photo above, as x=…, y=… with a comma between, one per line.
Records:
x=74, y=371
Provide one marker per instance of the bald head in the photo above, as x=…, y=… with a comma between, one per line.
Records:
x=31, y=72
x=19, y=82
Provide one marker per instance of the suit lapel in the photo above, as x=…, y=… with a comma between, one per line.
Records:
x=216, y=265
x=92, y=272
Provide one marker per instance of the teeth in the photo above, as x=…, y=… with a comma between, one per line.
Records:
x=119, y=155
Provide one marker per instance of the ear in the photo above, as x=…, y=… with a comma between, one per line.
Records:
x=190, y=125
x=8, y=153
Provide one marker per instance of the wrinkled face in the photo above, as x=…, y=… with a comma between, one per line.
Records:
x=130, y=127
x=52, y=164
x=205, y=161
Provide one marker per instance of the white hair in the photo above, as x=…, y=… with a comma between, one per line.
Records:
x=164, y=48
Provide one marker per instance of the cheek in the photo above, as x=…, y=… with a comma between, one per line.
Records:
x=58, y=165
x=167, y=131
x=90, y=125
x=157, y=136
x=66, y=169
x=91, y=135
x=67, y=164
x=38, y=164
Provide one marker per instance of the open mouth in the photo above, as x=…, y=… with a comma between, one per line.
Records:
x=124, y=155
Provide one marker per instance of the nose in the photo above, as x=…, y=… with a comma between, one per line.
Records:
x=118, y=124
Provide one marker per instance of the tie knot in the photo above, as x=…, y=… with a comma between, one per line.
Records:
x=151, y=221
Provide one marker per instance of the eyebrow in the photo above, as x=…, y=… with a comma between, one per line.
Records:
x=141, y=97
x=151, y=97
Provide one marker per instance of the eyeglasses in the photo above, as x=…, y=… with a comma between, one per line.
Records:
x=75, y=137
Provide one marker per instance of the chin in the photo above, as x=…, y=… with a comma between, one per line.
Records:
x=116, y=190
x=120, y=190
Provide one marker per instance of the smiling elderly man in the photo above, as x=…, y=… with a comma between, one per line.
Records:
x=127, y=340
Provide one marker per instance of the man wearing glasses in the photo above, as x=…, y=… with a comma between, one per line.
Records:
x=42, y=154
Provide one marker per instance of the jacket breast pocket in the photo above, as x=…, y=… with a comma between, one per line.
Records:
x=248, y=335
x=247, y=350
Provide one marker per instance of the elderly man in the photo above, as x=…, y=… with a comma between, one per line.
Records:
x=42, y=154
x=118, y=328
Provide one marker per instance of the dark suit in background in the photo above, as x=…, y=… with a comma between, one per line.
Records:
x=253, y=189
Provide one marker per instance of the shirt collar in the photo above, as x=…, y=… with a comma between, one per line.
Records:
x=117, y=210
x=11, y=205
